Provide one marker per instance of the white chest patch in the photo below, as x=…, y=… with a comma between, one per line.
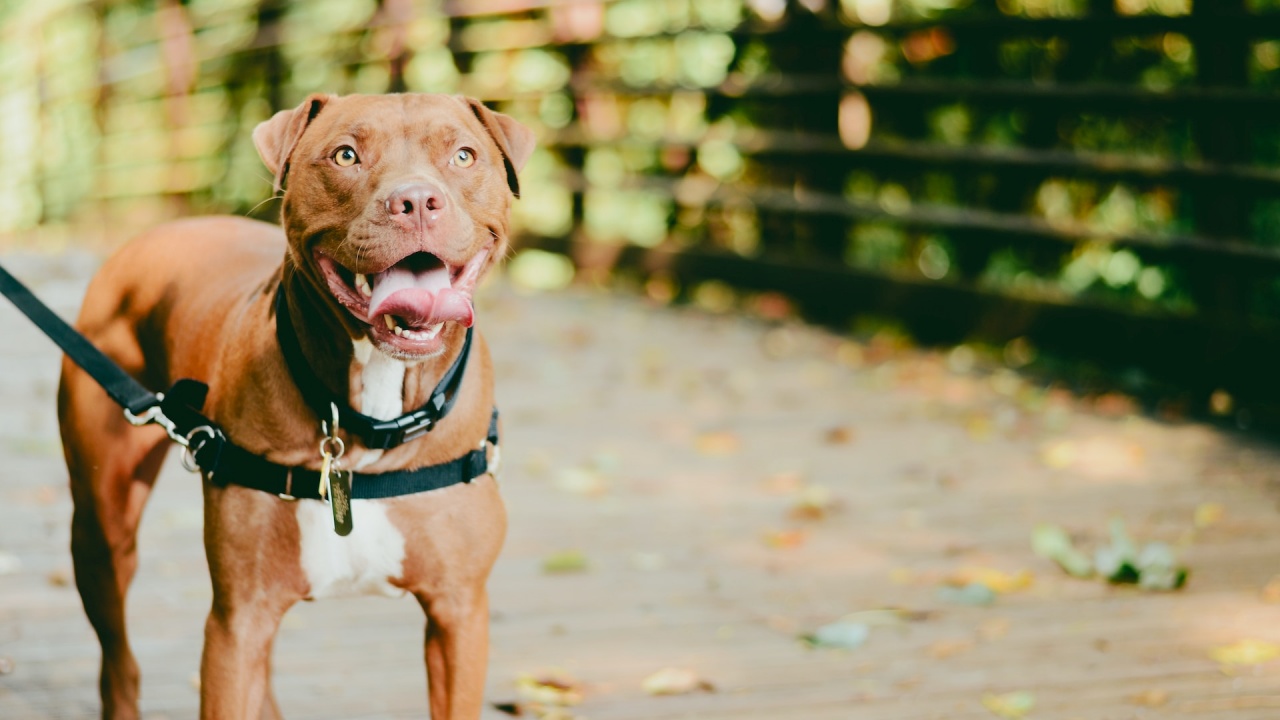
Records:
x=361, y=563
x=364, y=561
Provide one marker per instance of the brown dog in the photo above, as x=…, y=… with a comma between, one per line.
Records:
x=395, y=206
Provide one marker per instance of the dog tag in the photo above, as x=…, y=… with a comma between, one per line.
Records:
x=340, y=500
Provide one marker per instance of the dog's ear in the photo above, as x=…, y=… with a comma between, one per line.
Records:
x=513, y=138
x=276, y=138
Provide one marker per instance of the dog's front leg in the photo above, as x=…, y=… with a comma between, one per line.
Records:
x=457, y=652
x=251, y=545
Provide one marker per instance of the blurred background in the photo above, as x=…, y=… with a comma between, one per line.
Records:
x=1081, y=186
x=844, y=350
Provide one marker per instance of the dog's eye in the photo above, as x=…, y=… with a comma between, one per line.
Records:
x=345, y=156
x=464, y=158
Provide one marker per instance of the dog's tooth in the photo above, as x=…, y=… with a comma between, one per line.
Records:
x=399, y=330
x=362, y=283
x=391, y=324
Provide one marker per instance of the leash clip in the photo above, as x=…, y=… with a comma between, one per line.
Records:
x=155, y=416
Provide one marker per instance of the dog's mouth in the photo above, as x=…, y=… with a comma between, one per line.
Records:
x=407, y=304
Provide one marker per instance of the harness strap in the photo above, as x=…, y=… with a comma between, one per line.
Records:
x=224, y=462
x=374, y=433
x=127, y=392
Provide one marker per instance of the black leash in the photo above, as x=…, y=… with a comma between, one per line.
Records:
x=127, y=392
x=207, y=448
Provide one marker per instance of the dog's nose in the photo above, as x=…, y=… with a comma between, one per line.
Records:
x=416, y=203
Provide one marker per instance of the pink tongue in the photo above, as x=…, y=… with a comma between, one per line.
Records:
x=418, y=298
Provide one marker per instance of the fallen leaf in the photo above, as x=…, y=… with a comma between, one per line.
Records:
x=975, y=594
x=675, y=681
x=1058, y=455
x=1209, y=514
x=556, y=688
x=1271, y=591
x=814, y=502
x=564, y=561
x=1052, y=543
x=1158, y=568
x=1155, y=568
x=1249, y=651
x=944, y=649
x=513, y=709
x=1010, y=705
x=717, y=444
x=979, y=426
x=841, y=635
x=1150, y=698
x=583, y=481
x=785, y=539
x=842, y=435
x=59, y=578
x=997, y=580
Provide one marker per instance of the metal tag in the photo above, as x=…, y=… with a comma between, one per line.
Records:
x=340, y=500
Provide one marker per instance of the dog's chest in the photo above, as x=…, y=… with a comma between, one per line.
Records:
x=365, y=561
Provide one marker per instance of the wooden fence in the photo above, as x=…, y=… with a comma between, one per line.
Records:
x=1094, y=178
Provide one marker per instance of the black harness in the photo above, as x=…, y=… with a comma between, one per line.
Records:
x=208, y=449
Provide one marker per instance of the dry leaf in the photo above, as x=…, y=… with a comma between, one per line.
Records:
x=675, y=681
x=842, y=635
x=785, y=539
x=564, y=561
x=1150, y=698
x=944, y=649
x=842, y=435
x=997, y=581
x=1058, y=454
x=1052, y=543
x=1249, y=651
x=1011, y=705
x=974, y=594
x=1271, y=591
x=717, y=443
x=1208, y=514
x=813, y=503
x=513, y=709
x=556, y=688
x=583, y=481
x=59, y=578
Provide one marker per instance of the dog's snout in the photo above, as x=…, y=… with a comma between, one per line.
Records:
x=415, y=203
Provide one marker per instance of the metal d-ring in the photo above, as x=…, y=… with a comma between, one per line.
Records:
x=190, y=448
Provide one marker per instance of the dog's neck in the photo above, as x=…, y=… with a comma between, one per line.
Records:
x=373, y=382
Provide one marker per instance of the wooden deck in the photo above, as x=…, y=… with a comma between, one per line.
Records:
x=670, y=447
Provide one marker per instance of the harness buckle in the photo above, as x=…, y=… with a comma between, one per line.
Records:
x=420, y=427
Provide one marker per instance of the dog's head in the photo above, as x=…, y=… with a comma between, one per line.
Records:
x=395, y=205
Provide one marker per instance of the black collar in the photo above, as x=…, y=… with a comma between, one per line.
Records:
x=374, y=433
